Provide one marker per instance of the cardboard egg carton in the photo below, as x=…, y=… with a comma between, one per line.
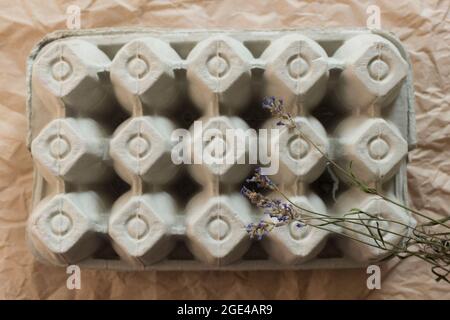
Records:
x=103, y=106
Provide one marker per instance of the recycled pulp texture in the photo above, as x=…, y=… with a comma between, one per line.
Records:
x=143, y=229
x=423, y=29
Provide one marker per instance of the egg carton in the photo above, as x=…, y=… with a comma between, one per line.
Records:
x=103, y=105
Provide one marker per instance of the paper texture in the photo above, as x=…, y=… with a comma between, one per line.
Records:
x=422, y=26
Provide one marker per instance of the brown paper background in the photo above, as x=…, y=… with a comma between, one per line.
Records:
x=422, y=26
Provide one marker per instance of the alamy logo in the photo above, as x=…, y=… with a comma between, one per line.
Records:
x=374, y=278
x=374, y=19
x=73, y=21
x=218, y=145
x=74, y=279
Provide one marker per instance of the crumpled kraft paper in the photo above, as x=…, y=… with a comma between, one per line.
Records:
x=422, y=26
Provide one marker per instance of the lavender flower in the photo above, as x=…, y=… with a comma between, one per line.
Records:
x=260, y=229
x=261, y=180
x=282, y=212
x=279, y=210
x=273, y=105
x=276, y=108
x=430, y=247
x=256, y=198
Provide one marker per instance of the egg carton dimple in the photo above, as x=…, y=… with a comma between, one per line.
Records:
x=103, y=106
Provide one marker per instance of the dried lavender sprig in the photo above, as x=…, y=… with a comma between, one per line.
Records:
x=264, y=227
x=285, y=213
x=261, y=181
x=276, y=107
x=264, y=202
x=276, y=209
x=255, y=197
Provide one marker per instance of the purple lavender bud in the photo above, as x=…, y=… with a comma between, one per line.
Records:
x=266, y=103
